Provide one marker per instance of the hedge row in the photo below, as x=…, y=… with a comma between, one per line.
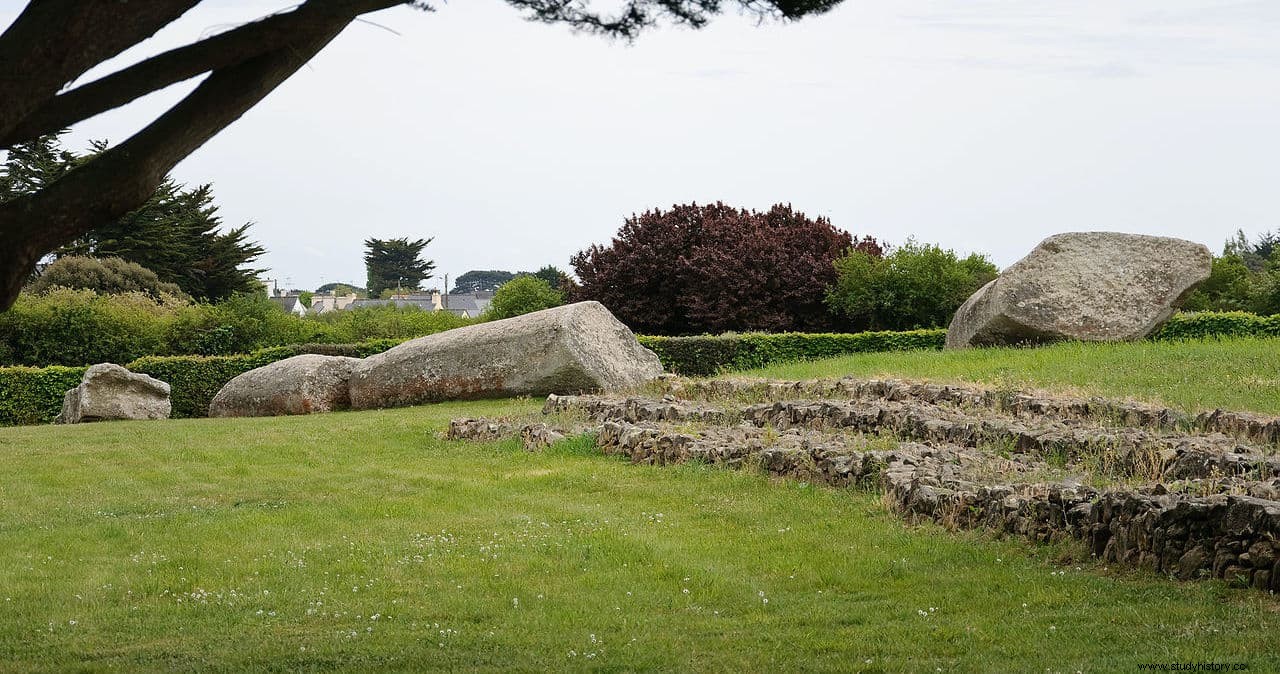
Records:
x=34, y=395
x=708, y=355
x=1212, y=324
x=30, y=395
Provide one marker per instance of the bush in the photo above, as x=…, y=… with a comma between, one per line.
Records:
x=713, y=268
x=915, y=286
x=709, y=355
x=522, y=295
x=1227, y=288
x=81, y=327
x=105, y=276
x=30, y=395
x=382, y=322
x=1216, y=325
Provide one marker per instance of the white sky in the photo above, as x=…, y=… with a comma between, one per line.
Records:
x=981, y=125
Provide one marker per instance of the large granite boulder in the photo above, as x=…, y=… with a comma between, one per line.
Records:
x=109, y=392
x=297, y=385
x=1095, y=286
x=574, y=348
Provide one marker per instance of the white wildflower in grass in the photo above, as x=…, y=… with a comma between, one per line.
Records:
x=515, y=602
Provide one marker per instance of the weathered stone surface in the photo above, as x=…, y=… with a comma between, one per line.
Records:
x=108, y=392
x=574, y=348
x=298, y=385
x=1096, y=286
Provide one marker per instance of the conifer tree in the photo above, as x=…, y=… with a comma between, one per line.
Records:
x=396, y=264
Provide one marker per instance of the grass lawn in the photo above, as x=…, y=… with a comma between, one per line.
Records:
x=1239, y=374
x=362, y=541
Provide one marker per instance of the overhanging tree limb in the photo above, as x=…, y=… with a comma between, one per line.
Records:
x=177, y=65
x=119, y=179
x=55, y=41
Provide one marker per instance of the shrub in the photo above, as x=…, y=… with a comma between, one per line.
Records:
x=1226, y=289
x=712, y=268
x=382, y=322
x=81, y=327
x=1216, y=325
x=915, y=286
x=522, y=295
x=709, y=355
x=30, y=395
x=239, y=324
x=105, y=276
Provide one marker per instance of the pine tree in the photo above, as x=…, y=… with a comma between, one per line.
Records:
x=396, y=264
x=174, y=234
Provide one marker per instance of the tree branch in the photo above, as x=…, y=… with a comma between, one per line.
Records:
x=121, y=178
x=159, y=71
x=55, y=41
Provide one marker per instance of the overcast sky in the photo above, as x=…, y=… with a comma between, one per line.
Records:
x=980, y=125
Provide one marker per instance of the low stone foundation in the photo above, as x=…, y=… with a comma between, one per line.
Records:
x=1141, y=485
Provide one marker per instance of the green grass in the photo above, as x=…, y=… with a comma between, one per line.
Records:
x=362, y=541
x=1238, y=374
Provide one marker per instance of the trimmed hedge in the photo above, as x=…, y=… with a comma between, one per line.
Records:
x=711, y=354
x=194, y=380
x=1215, y=324
x=33, y=395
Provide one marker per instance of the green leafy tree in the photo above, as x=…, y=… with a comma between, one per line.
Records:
x=479, y=280
x=1228, y=287
x=396, y=264
x=341, y=290
x=106, y=276
x=1246, y=277
x=1253, y=253
x=914, y=286
x=522, y=295
x=556, y=278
